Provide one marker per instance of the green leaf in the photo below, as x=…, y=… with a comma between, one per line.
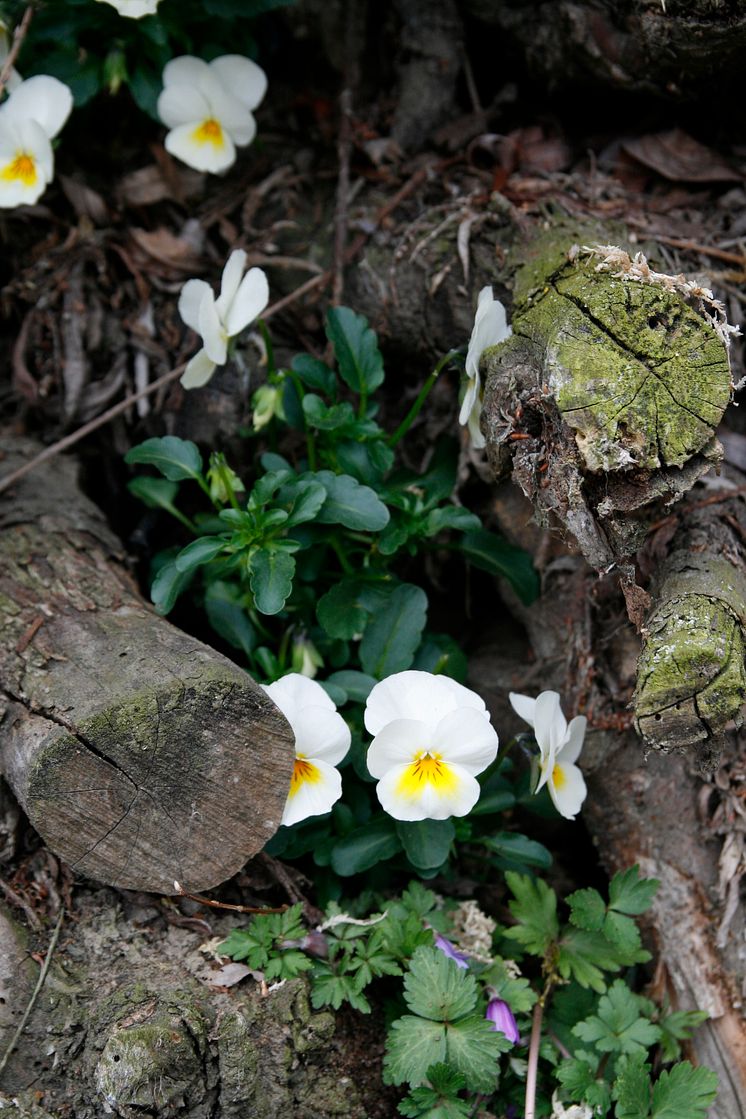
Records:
x=393, y=634
x=535, y=909
x=226, y=614
x=516, y=992
x=512, y=848
x=175, y=458
x=587, y=909
x=368, y=461
x=442, y=656
x=617, y=1026
x=678, y=1027
x=426, y=843
x=265, y=487
x=576, y=1076
x=584, y=956
x=623, y=933
x=453, y=517
x=363, y=848
x=167, y=586
x=474, y=1047
x=412, y=1046
x=307, y=497
x=629, y=893
x=199, y=552
x=495, y=554
x=314, y=374
x=350, y=504
x=357, y=685
x=436, y=987
x=684, y=1092
x=271, y=579
x=156, y=493
x=356, y=349
x=331, y=989
x=439, y=1099
x=327, y=417
x=631, y=1087
x=340, y=611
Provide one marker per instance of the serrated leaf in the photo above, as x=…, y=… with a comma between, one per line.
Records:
x=176, y=459
x=631, y=1088
x=495, y=554
x=265, y=487
x=584, y=956
x=623, y=933
x=356, y=349
x=684, y=1092
x=271, y=579
x=678, y=1027
x=412, y=1046
x=156, y=493
x=436, y=988
x=617, y=1026
x=227, y=616
x=576, y=1076
x=587, y=909
x=350, y=504
x=363, y=848
x=534, y=907
x=631, y=894
x=517, y=993
x=199, y=552
x=474, y=1048
x=393, y=634
x=340, y=611
x=426, y=843
x=327, y=417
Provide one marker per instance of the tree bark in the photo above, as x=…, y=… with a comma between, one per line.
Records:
x=139, y=754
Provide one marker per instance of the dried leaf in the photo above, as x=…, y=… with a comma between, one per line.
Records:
x=85, y=201
x=176, y=254
x=148, y=185
x=678, y=157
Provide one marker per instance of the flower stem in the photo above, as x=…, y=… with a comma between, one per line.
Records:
x=422, y=396
x=533, y=1052
x=271, y=367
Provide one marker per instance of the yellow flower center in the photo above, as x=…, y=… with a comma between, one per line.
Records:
x=559, y=780
x=209, y=132
x=22, y=169
x=426, y=769
x=303, y=771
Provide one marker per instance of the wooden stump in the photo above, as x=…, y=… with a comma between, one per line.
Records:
x=141, y=756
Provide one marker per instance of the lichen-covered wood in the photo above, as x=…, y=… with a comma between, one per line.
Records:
x=605, y=400
x=140, y=755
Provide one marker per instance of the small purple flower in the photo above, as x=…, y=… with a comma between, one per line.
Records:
x=449, y=950
x=500, y=1014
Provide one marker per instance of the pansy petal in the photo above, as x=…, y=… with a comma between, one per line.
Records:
x=465, y=736
x=211, y=330
x=26, y=162
x=404, y=797
x=134, y=9
x=321, y=735
x=471, y=396
x=227, y=109
x=397, y=743
x=294, y=691
x=242, y=77
x=250, y=300
x=230, y=281
x=192, y=294
x=523, y=705
x=178, y=104
x=43, y=99
x=417, y=695
x=315, y=787
x=473, y=422
x=193, y=145
x=574, y=739
x=550, y=725
x=185, y=71
x=198, y=372
x=567, y=789
x=490, y=328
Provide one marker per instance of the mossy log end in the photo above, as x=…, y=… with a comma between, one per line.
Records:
x=605, y=400
x=139, y=754
x=691, y=677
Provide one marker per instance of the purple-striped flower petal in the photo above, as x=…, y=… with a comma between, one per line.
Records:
x=500, y=1014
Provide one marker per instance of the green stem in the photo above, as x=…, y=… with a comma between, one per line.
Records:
x=344, y=563
x=206, y=489
x=271, y=367
x=310, y=441
x=422, y=396
x=182, y=518
x=225, y=476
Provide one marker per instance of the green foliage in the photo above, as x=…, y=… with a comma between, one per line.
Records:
x=535, y=909
x=628, y=895
x=439, y=1097
x=262, y=947
x=618, y=1026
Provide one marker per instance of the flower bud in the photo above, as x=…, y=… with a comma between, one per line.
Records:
x=500, y=1014
x=306, y=658
x=267, y=402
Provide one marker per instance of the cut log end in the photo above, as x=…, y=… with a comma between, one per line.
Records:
x=181, y=782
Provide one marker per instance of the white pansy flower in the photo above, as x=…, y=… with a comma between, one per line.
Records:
x=29, y=120
x=322, y=738
x=208, y=108
x=431, y=737
x=14, y=78
x=490, y=327
x=134, y=9
x=559, y=745
x=241, y=300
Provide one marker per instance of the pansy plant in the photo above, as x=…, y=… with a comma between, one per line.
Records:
x=29, y=120
x=490, y=328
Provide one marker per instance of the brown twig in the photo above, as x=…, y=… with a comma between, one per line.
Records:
x=224, y=904
x=35, y=994
x=18, y=36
